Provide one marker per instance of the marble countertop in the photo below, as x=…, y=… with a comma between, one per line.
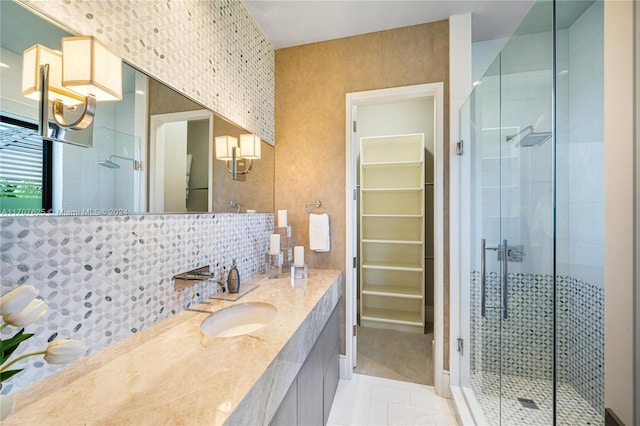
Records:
x=171, y=373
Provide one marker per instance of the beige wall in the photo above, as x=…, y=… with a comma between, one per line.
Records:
x=619, y=253
x=311, y=84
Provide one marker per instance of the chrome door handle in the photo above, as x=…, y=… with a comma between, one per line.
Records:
x=483, y=276
x=505, y=282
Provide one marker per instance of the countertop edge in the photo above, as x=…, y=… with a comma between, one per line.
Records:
x=266, y=394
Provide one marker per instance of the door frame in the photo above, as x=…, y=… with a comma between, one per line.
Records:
x=394, y=94
x=156, y=137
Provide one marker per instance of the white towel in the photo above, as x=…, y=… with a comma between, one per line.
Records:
x=319, y=232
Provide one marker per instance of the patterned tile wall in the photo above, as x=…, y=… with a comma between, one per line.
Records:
x=527, y=333
x=212, y=51
x=105, y=278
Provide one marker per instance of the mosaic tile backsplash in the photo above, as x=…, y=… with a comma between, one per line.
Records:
x=525, y=344
x=106, y=278
x=213, y=51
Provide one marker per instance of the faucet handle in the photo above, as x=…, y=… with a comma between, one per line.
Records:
x=222, y=283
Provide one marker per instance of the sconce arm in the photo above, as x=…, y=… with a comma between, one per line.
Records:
x=83, y=121
x=241, y=172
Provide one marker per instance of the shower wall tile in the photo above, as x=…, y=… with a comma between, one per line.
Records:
x=584, y=186
x=106, y=278
x=212, y=51
x=521, y=345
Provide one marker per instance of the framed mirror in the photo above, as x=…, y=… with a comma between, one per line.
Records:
x=153, y=151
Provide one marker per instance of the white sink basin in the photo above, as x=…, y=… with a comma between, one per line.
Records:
x=238, y=319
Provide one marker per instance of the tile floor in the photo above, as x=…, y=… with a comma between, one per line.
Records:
x=498, y=396
x=369, y=400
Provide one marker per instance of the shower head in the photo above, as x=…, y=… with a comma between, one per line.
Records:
x=529, y=139
x=108, y=163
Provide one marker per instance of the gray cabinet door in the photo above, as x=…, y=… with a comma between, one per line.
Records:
x=310, y=394
x=287, y=414
x=331, y=379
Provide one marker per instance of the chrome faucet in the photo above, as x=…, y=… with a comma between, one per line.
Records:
x=222, y=284
x=187, y=279
x=234, y=205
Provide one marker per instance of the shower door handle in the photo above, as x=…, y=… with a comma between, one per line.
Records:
x=483, y=275
x=483, y=278
x=505, y=281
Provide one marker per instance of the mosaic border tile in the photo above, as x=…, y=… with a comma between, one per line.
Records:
x=105, y=278
x=525, y=341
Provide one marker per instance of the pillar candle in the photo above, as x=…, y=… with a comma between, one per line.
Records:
x=282, y=218
x=298, y=256
x=274, y=244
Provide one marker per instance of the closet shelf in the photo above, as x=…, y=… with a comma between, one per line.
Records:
x=408, y=189
x=392, y=316
x=392, y=291
x=392, y=242
x=392, y=236
x=391, y=215
x=382, y=164
x=392, y=266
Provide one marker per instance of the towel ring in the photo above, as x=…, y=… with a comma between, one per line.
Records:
x=317, y=204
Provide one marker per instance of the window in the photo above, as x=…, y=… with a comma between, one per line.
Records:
x=25, y=168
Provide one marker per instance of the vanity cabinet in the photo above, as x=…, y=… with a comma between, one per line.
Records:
x=287, y=413
x=308, y=400
x=392, y=230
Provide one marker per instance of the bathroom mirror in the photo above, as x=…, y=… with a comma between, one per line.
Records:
x=137, y=165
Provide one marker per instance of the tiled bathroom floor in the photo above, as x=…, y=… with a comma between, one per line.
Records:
x=369, y=400
x=572, y=408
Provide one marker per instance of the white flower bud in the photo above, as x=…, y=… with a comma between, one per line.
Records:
x=17, y=299
x=32, y=313
x=65, y=351
x=6, y=406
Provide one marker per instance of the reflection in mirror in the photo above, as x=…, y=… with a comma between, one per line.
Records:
x=67, y=179
x=184, y=175
x=62, y=178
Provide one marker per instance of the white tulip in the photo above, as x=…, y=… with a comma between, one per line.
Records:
x=64, y=351
x=6, y=406
x=32, y=313
x=17, y=299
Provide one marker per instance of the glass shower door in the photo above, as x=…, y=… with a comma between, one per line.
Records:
x=482, y=268
x=527, y=185
x=507, y=366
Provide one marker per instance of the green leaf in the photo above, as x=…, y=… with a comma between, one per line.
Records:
x=8, y=374
x=9, y=346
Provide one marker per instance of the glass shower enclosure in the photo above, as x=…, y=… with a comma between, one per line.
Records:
x=532, y=224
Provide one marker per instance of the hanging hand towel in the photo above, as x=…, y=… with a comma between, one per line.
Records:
x=319, y=232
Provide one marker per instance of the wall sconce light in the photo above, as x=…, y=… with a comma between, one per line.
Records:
x=85, y=72
x=239, y=158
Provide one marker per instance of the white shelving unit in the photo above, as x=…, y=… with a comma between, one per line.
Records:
x=392, y=229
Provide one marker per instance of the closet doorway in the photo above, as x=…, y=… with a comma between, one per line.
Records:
x=394, y=287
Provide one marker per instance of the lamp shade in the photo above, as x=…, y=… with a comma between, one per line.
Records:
x=224, y=147
x=91, y=68
x=250, y=146
x=32, y=59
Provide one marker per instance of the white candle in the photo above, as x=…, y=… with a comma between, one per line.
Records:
x=274, y=244
x=298, y=256
x=282, y=218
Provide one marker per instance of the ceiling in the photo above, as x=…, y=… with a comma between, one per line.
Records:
x=292, y=23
